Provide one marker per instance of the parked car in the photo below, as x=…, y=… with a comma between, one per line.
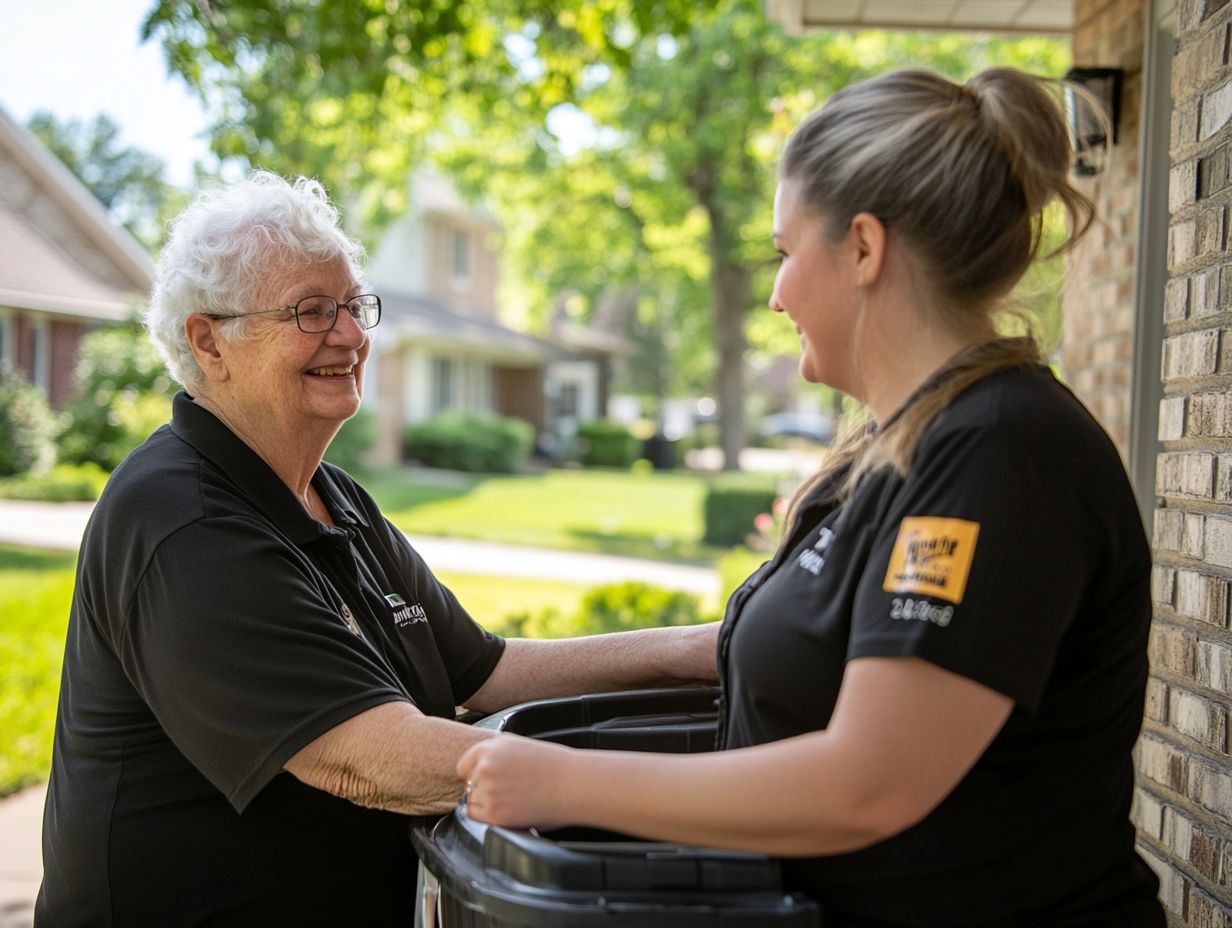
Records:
x=812, y=426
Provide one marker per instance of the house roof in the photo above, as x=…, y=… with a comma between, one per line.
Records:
x=429, y=322
x=1036, y=17
x=36, y=270
x=36, y=273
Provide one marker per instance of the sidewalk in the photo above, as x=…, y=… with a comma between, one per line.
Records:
x=60, y=525
x=21, y=861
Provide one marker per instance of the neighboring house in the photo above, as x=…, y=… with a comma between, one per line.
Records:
x=1147, y=344
x=65, y=266
x=440, y=345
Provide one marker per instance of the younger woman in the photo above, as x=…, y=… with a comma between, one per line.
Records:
x=932, y=691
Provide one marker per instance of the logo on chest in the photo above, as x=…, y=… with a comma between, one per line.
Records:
x=812, y=559
x=405, y=614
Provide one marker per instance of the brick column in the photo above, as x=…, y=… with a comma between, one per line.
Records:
x=1184, y=801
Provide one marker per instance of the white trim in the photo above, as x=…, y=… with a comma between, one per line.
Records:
x=1151, y=276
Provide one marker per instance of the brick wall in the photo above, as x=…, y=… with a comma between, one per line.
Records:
x=1098, y=302
x=1184, y=801
x=65, y=337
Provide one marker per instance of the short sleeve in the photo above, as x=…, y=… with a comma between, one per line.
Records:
x=469, y=652
x=978, y=565
x=235, y=643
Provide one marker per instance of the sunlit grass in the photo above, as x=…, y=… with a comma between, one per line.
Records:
x=652, y=515
x=35, y=591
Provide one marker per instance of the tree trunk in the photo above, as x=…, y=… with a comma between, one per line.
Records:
x=731, y=285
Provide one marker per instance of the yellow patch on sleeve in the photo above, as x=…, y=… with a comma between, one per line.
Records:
x=932, y=556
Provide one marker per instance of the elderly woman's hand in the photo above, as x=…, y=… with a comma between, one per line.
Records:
x=518, y=782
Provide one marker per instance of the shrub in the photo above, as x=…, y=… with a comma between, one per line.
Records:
x=613, y=607
x=732, y=504
x=350, y=447
x=63, y=483
x=122, y=393
x=736, y=566
x=27, y=426
x=607, y=444
x=476, y=444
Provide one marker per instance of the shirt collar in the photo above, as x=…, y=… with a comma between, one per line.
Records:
x=255, y=479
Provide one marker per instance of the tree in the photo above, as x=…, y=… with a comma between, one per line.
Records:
x=127, y=181
x=122, y=392
x=664, y=205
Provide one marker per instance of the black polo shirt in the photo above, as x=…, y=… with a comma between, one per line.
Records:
x=216, y=629
x=1011, y=553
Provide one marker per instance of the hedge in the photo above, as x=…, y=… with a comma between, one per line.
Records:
x=476, y=444
x=732, y=502
x=607, y=444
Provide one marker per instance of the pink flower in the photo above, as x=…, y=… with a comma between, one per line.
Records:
x=764, y=523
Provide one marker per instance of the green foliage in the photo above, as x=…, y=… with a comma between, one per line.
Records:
x=27, y=426
x=63, y=483
x=733, y=503
x=736, y=566
x=349, y=92
x=127, y=181
x=613, y=607
x=122, y=393
x=476, y=444
x=350, y=447
x=607, y=444
x=36, y=589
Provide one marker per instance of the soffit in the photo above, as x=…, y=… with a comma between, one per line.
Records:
x=1035, y=17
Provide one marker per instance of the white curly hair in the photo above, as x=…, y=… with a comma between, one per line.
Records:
x=223, y=244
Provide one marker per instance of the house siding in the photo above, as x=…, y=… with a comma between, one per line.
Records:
x=1184, y=804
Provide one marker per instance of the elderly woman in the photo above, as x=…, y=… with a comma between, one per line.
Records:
x=931, y=693
x=261, y=675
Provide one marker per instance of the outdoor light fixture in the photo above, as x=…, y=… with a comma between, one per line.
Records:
x=1089, y=130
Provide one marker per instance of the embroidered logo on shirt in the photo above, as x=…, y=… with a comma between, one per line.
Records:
x=811, y=559
x=405, y=615
x=932, y=556
x=349, y=619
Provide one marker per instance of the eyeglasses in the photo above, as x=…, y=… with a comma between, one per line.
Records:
x=316, y=314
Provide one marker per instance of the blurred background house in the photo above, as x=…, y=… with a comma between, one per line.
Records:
x=441, y=346
x=65, y=266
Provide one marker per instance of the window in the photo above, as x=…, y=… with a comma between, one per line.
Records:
x=461, y=256
x=8, y=340
x=442, y=385
x=567, y=400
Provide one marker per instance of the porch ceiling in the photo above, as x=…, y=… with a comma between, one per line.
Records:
x=1036, y=17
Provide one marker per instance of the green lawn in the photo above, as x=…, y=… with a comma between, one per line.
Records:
x=652, y=515
x=35, y=589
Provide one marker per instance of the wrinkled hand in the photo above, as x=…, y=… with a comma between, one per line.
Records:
x=517, y=782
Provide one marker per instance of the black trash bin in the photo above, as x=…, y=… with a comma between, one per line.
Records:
x=660, y=451
x=478, y=876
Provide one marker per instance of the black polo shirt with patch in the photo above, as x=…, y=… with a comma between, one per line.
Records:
x=1011, y=553
x=216, y=629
